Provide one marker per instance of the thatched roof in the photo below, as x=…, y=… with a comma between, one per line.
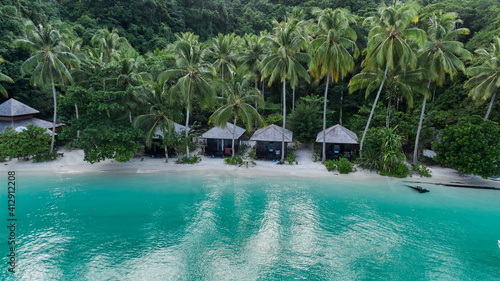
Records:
x=19, y=124
x=272, y=133
x=13, y=107
x=338, y=134
x=178, y=128
x=224, y=134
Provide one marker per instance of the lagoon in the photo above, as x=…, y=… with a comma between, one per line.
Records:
x=213, y=226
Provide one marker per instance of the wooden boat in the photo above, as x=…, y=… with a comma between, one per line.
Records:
x=419, y=188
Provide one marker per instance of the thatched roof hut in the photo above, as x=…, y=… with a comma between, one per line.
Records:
x=219, y=141
x=272, y=133
x=17, y=115
x=340, y=141
x=338, y=134
x=224, y=134
x=269, y=141
x=178, y=128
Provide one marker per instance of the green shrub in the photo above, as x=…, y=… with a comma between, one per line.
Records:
x=251, y=154
x=236, y=160
x=344, y=166
x=422, y=170
x=193, y=160
x=330, y=165
x=45, y=157
x=290, y=157
x=399, y=170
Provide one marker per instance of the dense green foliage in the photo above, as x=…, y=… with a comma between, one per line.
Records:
x=181, y=51
x=471, y=146
x=343, y=165
x=31, y=142
x=305, y=121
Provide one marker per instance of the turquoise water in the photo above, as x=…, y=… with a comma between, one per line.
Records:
x=219, y=227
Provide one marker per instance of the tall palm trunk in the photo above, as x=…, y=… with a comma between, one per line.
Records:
x=256, y=105
x=234, y=130
x=263, y=90
x=188, y=103
x=284, y=116
x=415, y=150
x=76, y=112
x=491, y=105
x=222, y=90
x=55, y=111
x=341, y=102
x=388, y=109
x=165, y=143
x=293, y=99
x=323, y=156
x=371, y=112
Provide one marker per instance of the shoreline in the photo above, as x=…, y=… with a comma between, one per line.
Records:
x=72, y=163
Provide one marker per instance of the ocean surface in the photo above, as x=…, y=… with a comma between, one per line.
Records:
x=121, y=226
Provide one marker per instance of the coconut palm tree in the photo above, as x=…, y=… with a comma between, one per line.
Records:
x=107, y=43
x=160, y=117
x=192, y=74
x=485, y=79
x=254, y=51
x=403, y=82
x=4, y=78
x=239, y=99
x=330, y=50
x=222, y=48
x=389, y=46
x=284, y=61
x=48, y=61
x=442, y=54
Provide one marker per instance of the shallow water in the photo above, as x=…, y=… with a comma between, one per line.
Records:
x=219, y=227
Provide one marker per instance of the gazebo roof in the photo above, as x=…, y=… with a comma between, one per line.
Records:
x=272, y=133
x=338, y=134
x=178, y=128
x=12, y=108
x=20, y=124
x=224, y=134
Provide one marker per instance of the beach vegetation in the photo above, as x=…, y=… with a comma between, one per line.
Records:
x=333, y=51
x=471, y=146
x=305, y=120
x=30, y=142
x=422, y=170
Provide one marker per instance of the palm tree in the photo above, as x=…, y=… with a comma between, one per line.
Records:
x=389, y=44
x=4, y=78
x=240, y=95
x=107, y=43
x=48, y=61
x=254, y=51
x=284, y=61
x=160, y=117
x=222, y=49
x=330, y=50
x=441, y=55
x=192, y=72
x=403, y=82
x=485, y=79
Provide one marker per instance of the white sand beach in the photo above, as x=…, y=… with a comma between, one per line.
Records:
x=72, y=162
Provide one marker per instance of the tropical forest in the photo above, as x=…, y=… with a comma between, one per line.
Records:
x=405, y=76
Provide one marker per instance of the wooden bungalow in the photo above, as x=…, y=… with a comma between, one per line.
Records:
x=155, y=150
x=219, y=141
x=268, y=141
x=340, y=141
x=18, y=116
